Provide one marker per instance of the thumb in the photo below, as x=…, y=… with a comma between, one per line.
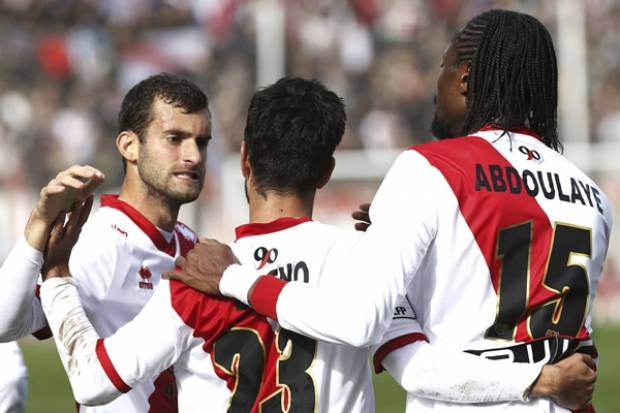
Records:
x=175, y=274
x=589, y=362
x=180, y=262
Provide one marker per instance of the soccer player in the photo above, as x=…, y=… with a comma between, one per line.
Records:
x=13, y=380
x=223, y=353
x=164, y=129
x=496, y=238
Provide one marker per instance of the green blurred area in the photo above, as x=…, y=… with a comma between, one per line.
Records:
x=50, y=393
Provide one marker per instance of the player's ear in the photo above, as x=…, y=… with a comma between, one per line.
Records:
x=328, y=173
x=464, y=70
x=244, y=160
x=128, y=144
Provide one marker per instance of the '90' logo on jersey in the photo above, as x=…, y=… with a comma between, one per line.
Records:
x=532, y=154
x=265, y=256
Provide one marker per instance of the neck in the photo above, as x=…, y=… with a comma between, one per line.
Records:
x=161, y=212
x=275, y=205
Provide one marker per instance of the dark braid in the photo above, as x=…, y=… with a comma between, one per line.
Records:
x=513, y=74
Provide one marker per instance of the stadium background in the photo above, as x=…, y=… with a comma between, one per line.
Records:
x=66, y=64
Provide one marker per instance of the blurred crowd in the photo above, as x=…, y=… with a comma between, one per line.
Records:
x=66, y=64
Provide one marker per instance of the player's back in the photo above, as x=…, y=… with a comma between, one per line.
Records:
x=324, y=377
x=518, y=251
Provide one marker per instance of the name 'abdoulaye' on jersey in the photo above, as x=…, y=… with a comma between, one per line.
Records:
x=496, y=178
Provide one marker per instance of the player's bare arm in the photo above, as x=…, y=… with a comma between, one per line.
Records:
x=72, y=185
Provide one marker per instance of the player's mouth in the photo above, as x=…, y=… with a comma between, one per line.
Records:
x=188, y=176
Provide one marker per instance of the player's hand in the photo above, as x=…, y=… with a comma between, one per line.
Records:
x=569, y=383
x=62, y=238
x=363, y=217
x=203, y=266
x=71, y=186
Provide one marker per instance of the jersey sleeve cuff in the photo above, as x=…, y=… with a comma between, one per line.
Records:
x=394, y=344
x=108, y=367
x=265, y=295
x=237, y=280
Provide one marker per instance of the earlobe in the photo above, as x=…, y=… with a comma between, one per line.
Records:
x=464, y=79
x=127, y=143
x=244, y=160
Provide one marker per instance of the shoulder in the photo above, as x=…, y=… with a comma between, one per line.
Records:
x=454, y=150
x=103, y=242
x=205, y=313
x=106, y=228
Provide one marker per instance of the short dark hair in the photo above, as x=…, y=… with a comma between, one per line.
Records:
x=292, y=130
x=513, y=79
x=135, y=114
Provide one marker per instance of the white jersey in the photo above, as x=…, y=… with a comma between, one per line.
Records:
x=13, y=379
x=226, y=356
x=116, y=264
x=497, y=240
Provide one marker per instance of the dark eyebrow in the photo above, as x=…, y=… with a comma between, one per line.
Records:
x=175, y=131
x=185, y=134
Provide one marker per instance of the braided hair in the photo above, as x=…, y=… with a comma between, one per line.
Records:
x=513, y=74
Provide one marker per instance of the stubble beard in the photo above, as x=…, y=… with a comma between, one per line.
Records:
x=157, y=182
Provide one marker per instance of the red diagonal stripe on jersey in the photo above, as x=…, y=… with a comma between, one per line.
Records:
x=210, y=317
x=456, y=160
x=108, y=367
x=392, y=345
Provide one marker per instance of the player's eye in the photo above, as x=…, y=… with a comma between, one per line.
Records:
x=174, y=138
x=202, y=142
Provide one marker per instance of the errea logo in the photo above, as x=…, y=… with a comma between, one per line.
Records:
x=145, y=275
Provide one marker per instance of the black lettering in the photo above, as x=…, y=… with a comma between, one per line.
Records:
x=513, y=179
x=549, y=194
x=586, y=189
x=532, y=187
x=481, y=179
x=286, y=274
x=273, y=272
x=598, y=199
x=302, y=268
x=563, y=196
x=575, y=192
x=497, y=178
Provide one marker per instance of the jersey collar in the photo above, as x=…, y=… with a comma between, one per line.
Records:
x=151, y=231
x=260, y=228
x=523, y=131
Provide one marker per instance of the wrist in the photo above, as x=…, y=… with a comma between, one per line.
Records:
x=37, y=232
x=57, y=271
x=544, y=383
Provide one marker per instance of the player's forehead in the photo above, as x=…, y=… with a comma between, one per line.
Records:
x=171, y=116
